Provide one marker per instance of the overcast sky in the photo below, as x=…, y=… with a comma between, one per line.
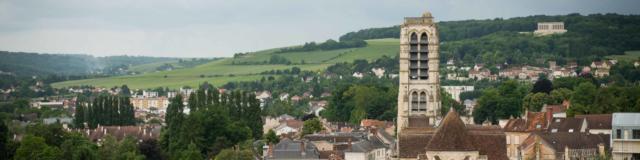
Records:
x=216, y=28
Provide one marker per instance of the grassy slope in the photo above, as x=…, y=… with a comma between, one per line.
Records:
x=628, y=56
x=151, y=67
x=218, y=72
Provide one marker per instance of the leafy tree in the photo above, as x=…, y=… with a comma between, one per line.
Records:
x=150, y=149
x=77, y=147
x=542, y=85
x=79, y=116
x=169, y=139
x=191, y=153
x=53, y=134
x=582, y=99
x=560, y=94
x=33, y=147
x=359, y=102
x=50, y=153
x=447, y=102
x=271, y=137
x=109, y=148
x=233, y=154
x=127, y=149
x=124, y=90
x=568, y=82
x=535, y=101
x=4, y=140
x=312, y=126
x=500, y=103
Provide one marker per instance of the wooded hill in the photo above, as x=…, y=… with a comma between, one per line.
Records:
x=494, y=41
x=498, y=40
x=32, y=64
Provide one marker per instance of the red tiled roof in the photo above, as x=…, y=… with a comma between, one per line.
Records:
x=294, y=123
x=372, y=123
x=536, y=121
x=559, y=108
x=120, y=132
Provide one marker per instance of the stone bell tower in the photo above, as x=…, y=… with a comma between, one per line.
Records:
x=419, y=91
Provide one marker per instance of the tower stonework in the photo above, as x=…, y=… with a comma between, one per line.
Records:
x=419, y=90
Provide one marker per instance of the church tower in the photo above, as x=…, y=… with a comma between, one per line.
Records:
x=419, y=91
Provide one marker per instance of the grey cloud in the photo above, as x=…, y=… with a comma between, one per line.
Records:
x=205, y=28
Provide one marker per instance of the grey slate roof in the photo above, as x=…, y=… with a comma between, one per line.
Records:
x=289, y=149
x=367, y=145
x=626, y=119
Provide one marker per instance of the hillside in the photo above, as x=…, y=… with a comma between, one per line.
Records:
x=492, y=42
x=225, y=70
x=37, y=64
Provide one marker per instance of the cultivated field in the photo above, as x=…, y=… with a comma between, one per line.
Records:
x=220, y=72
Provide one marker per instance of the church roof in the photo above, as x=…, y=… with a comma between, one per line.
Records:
x=451, y=135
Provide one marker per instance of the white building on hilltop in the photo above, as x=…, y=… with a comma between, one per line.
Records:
x=549, y=28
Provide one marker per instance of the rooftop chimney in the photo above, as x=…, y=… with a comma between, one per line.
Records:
x=349, y=144
x=270, y=152
x=549, y=115
x=302, y=148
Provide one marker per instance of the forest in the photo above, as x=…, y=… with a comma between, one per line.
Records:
x=498, y=41
x=38, y=64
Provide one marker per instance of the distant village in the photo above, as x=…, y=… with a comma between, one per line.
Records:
x=544, y=134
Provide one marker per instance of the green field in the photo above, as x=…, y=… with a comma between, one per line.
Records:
x=151, y=67
x=220, y=72
x=628, y=56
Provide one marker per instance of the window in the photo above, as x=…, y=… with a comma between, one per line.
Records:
x=418, y=102
x=413, y=57
x=414, y=101
x=424, y=57
x=423, y=102
x=618, y=134
x=636, y=134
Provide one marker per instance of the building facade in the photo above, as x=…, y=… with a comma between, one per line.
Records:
x=146, y=103
x=548, y=28
x=418, y=95
x=625, y=137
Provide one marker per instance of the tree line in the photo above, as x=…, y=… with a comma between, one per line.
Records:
x=106, y=110
x=327, y=45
